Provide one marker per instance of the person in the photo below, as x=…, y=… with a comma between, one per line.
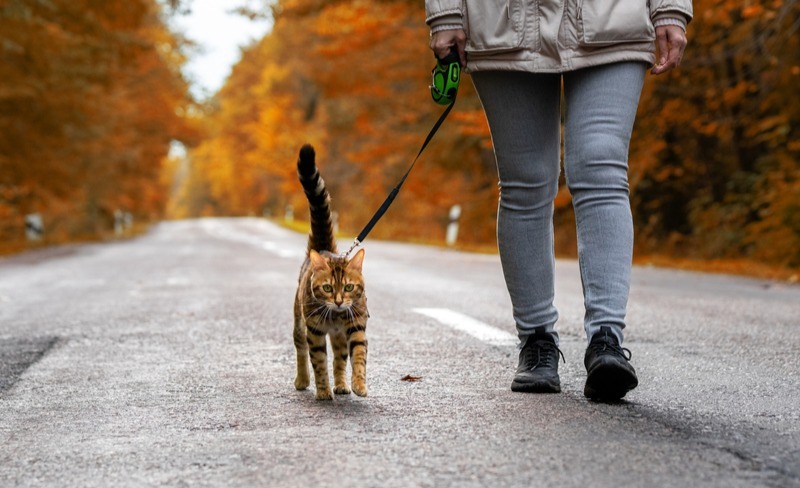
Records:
x=522, y=56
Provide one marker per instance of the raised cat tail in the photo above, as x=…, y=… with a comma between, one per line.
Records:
x=319, y=202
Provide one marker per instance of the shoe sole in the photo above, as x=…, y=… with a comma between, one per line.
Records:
x=609, y=382
x=536, y=387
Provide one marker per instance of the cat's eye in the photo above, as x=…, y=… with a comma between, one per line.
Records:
x=348, y=287
x=327, y=288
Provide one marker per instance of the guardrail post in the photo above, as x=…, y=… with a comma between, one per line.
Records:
x=119, y=222
x=34, y=227
x=452, y=226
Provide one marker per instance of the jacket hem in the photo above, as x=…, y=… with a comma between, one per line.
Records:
x=535, y=64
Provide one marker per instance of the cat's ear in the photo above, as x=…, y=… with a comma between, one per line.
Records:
x=356, y=262
x=318, y=263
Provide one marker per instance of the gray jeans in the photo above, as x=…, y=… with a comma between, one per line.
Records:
x=524, y=114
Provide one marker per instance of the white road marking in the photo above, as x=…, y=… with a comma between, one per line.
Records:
x=475, y=328
x=178, y=281
x=230, y=233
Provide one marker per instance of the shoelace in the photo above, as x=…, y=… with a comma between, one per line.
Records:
x=600, y=347
x=541, y=353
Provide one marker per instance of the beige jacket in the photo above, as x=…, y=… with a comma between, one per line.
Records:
x=553, y=36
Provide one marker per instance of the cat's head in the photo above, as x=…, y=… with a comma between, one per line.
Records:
x=337, y=281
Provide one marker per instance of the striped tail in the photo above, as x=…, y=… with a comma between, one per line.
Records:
x=319, y=202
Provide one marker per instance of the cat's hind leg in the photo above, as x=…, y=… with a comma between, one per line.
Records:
x=302, y=379
x=339, y=347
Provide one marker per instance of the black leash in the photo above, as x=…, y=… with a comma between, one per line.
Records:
x=389, y=199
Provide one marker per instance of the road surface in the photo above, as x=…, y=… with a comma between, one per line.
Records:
x=167, y=360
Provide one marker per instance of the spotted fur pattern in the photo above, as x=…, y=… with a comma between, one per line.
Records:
x=330, y=299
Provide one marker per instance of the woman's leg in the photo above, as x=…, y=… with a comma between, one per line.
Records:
x=524, y=115
x=601, y=105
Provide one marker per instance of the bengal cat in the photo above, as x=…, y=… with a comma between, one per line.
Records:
x=330, y=299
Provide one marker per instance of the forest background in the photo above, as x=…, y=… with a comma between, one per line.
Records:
x=92, y=98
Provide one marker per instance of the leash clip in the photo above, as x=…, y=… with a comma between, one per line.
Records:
x=355, y=244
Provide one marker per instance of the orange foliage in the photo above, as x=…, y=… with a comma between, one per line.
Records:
x=88, y=97
x=714, y=169
x=352, y=78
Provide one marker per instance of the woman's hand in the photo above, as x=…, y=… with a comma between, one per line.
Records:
x=670, y=42
x=442, y=41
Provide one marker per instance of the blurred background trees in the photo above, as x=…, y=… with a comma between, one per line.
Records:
x=715, y=159
x=351, y=78
x=91, y=97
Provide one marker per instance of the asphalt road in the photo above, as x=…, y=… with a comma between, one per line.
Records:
x=168, y=360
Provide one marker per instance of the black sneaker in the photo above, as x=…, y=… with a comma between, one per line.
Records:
x=609, y=374
x=538, y=366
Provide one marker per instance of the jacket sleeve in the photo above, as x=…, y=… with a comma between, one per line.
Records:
x=660, y=7
x=436, y=9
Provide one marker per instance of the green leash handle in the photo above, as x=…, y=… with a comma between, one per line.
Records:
x=445, y=78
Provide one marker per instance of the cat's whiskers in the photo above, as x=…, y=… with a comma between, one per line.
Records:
x=355, y=312
x=324, y=312
x=317, y=310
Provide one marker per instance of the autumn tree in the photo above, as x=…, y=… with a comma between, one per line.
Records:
x=352, y=78
x=715, y=156
x=90, y=97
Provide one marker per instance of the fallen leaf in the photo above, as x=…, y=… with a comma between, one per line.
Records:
x=408, y=377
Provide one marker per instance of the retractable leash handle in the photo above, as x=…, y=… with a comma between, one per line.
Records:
x=445, y=78
x=444, y=88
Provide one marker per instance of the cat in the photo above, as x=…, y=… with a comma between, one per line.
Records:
x=330, y=299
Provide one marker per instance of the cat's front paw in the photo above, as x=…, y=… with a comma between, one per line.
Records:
x=360, y=389
x=341, y=390
x=301, y=383
x=324, y=394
